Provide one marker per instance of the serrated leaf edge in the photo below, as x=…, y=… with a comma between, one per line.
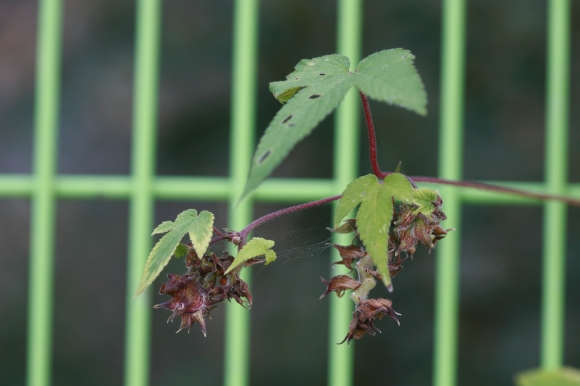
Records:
x=201, y=244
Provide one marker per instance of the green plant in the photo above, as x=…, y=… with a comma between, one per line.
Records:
x=393, y=218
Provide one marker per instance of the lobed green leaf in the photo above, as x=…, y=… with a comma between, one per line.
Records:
x=199, y=229
x=254, y=248
x=317, y=86
x=375, y=214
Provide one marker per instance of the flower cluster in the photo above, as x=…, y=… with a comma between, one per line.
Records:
x=364, y=315
x=204, y=285
x=409, y=228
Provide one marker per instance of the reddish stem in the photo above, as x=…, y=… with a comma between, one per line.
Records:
x=244, y=232
x=477, y=185
x=372, y=137
x=495, y=188
x=217, y=239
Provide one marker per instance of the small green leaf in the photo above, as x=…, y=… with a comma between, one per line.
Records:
x=374, y=216
x=353, y=195
x=566, y=376
x=390, y=76
x=180, y=251
x=254, y=248
x=373, y=221
x=424, y=198
x=199, y=229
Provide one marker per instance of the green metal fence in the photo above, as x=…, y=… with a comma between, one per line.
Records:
x=142, y=188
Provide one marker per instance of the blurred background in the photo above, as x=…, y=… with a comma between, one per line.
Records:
x=501, y=248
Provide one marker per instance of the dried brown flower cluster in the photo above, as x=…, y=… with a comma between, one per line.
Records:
x=364, y=316
x=204, y=285
x=409, y=228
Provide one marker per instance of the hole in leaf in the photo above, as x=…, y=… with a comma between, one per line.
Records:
x=263, y=157
x=289, y=117
x=314, y=96
x=322, y=74
x=297, y=78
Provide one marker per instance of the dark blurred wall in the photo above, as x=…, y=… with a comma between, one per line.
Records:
x=504, y=140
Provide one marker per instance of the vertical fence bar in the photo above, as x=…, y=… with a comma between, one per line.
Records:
x=137, y=328
x=450, y=167
x=349, y=32
x=42, y=232
x=554, y=254
x=242, y=129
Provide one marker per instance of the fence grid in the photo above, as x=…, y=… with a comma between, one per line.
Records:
x=143, y=187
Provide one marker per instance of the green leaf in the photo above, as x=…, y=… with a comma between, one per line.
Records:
x=199, y=229
x=318, y=96
x=180, y=251
x=373, y=221
x=353, y=195
x=317, y=86
x=374, y=217
x=566, y=376
x=254, y=248
x=424, y=199
x=390, y=76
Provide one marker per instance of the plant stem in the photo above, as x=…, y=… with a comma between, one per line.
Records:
x=216, y=231
x=218, y=239
x=495, y=188
x=372, y=137
x=244, y=232
x=467, y=184
x=367, y=281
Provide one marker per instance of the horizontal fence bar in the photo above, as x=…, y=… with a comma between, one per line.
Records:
x=218, y=189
